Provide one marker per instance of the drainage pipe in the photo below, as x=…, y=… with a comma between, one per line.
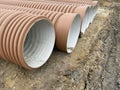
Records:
x=67, y=26
x=93, y=4
x=82, y=10
x=71, y=1
x=25, y=39
x=85, y=9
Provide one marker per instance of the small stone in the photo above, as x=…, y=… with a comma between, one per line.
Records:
x=2, y=85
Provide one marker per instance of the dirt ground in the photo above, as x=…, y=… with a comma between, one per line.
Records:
x=94, y=64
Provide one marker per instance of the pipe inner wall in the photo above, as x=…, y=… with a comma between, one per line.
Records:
x=39, y=43
x=73, y=34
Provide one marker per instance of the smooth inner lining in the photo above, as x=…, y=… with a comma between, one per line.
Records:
x=39, y=43
x=85, y=21
x=73, y=34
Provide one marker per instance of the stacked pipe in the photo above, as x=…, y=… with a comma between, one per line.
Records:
x=70, y=28
x=68, y=1
x=93, y=6
x=31, y=28
x=73, y=1
x=83, y=10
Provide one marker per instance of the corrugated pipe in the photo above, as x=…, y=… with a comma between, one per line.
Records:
x=93, y=10
x=93, y=4
x=71, y=1
x=89, y=3
x=67, y=26
x=87, y=12
x=82, y=9
x=64, y=1
x=25, y=39
x=88, y=15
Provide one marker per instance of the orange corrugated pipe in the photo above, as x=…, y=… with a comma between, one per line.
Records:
x=26, y=32
x=24, y=38
x=69, y=1
x=67, y=26
x=92, y=10
x=82, y=9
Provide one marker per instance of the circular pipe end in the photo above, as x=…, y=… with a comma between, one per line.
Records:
x=85, y=20
x=39, y=43
x=73, y=34
x=67, y=31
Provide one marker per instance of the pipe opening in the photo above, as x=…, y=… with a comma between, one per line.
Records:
x=73, y=34
x=89, y=16
x=95, y=9
x=92, y=14
x=85, y=22
x=39, y=43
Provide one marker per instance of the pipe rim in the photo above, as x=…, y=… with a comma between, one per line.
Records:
x=85, y=21
x=39, y=56
x=73, y=34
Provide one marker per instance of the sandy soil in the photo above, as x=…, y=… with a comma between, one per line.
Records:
x=94, y=64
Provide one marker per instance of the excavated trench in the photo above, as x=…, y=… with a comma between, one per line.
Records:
x=93, y=65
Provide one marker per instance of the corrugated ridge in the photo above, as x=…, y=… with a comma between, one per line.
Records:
x=39, y=5
x=49, y=14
